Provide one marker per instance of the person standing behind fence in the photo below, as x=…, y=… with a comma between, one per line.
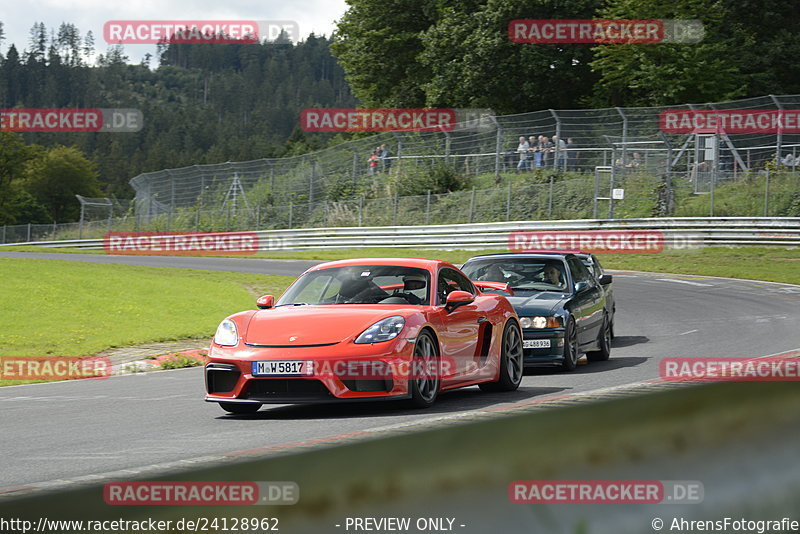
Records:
x=572, y=155
x=374, y=161
x=522, y=149
x=546, y=148
x=384, y=154
x=537, y=157
x=560, y=148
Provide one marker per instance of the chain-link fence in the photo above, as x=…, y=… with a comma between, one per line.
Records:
x=599, y=163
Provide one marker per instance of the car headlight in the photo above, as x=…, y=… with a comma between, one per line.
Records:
x=540, y=322
x=383, y=330
x=226, y=335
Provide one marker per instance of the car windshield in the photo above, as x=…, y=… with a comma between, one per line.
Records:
x=360, y=284
x=520, y=274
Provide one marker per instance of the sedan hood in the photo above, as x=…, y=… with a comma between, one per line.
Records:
x=538, y=302
x=298, y=326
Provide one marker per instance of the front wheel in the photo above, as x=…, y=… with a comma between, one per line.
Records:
x=425, y=376
x=239, y=409
x=511, y=361
x=570, y=347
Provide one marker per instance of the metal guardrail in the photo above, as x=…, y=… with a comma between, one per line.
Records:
x=678, y=233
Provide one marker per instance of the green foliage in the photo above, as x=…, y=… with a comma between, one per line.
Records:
x=180, y=361
x=57, y=176
x=436, y=178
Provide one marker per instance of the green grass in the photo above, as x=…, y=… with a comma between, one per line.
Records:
x=755, y=263
x=64, y=308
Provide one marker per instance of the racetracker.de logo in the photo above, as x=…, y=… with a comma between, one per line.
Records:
x=378, y=120
x=52, y=368
x=780, y=368
x=70, y=120
x=605, y=31
x=200, y=493
x=198, y=31
x=590, y=241
x=606, y=492
x=177, y=243
x=729, y=121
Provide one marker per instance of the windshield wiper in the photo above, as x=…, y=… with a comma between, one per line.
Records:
x=293, y=304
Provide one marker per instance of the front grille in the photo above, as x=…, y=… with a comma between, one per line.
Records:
x=221, y=377
x=285, y=388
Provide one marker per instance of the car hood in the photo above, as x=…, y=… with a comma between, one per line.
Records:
x=537, y=302
x=299, y=326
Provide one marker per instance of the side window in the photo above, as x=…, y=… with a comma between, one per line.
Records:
x=579, y=271
x=449, y=281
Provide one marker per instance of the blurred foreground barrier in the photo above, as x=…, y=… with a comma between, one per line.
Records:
x=737, y=440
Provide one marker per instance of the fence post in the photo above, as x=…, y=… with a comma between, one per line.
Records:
x=558, y=138
x=624, y=140
x=290, y=215
x=258, y=217
x=428, y=209
x=779, y=135
x=394, y=216
x=472, y=204
x=550, y=202
x=228, y=219
x=197, y=221
x=714, y=170
x=766, y=195
x=4, y=234
x=29, y=233
x=498, y=147
x=447, y=142
x=508, y=202
x=54, y=230
x=360, y=210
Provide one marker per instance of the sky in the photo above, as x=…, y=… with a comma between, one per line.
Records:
x=18, y=16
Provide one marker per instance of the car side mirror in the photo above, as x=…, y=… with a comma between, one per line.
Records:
x=605, y=279
x=580, y=287
x=266, y=302
x=458, y=298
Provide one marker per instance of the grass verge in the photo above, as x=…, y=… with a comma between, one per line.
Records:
x=65, y=308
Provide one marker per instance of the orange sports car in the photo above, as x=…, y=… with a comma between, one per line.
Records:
x=381, y=328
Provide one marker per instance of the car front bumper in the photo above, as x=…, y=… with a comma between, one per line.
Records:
x=550, y=356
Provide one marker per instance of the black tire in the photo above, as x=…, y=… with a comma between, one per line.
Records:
x=239, y=409
x=512, y=361
x=604, y=342
x=425, y=378
x=570, y=347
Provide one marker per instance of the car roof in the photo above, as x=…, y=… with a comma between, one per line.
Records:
x=420, y=263
x=525, y=255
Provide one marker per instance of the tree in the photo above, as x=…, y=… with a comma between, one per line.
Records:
x=746, y=51
x=458, y=54
x=474, y=63
x=57, y=176
x=14, y=156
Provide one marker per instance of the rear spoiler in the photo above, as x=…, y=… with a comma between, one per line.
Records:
x=494, y=286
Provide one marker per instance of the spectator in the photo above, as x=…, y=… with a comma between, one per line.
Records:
x=636, y=161
x=560, y=148
x=522, y=149
x=572, y=155
x=539, y=151
x=790, y=160
x=533, y=152
x=547, y=148
x=384, y=154
x=374, y=161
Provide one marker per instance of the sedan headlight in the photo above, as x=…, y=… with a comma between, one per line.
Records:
x=540, y=322
x=383, y=330
x=226, y=335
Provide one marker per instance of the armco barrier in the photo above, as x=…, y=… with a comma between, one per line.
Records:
x=678, y=233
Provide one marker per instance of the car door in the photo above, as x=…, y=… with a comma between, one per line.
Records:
x=588, y=304
x=458, y=328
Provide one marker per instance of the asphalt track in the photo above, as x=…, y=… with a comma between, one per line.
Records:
x=64, y=430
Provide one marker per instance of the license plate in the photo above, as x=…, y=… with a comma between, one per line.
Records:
x=536, y=344
x=279, y=367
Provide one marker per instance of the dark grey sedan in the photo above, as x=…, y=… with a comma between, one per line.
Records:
x=561, y=304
